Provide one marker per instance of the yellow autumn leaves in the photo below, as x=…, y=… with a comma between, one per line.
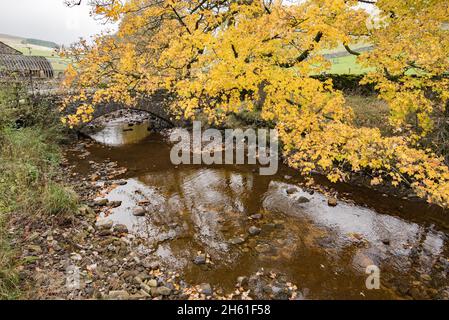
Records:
x=221, y=57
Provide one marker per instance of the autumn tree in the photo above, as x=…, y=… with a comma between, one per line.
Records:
x=220, y=57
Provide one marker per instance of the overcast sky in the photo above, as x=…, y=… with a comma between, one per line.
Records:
x=47, y=20
x=51, y=20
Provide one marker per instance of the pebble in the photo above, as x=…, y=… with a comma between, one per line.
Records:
x=332, y=202
x=291, y=190
x=277, y=290
x=253, y=230
x=151, y=264
x=119, y=295
x=236, y=240
x=242, y=281
x=138, y=280
x=303, y=200
x=200, y=259
x=105, y=232
x=115, y=204
x=426, y=277
x=145, y=287
x=101, y=202
x=120, y=228
x=103, y=224
x=152, y=283
x=205, y=288
x=163, y=291
x=262, y=248
x=76, y=257
x=256, y=216
x=139, y=212
x=92, y=267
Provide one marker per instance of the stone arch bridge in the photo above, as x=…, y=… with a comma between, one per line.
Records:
x=156, y=105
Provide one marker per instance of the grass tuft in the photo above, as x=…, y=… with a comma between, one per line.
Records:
x=58, y=199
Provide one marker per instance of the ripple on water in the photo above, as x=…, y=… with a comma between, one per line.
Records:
x=324, y=249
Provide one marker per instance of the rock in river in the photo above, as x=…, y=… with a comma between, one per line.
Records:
x=302, y=200
x=139, y=212
x=263, y=248
x=332, y=201
x=115, y=204
x=236, y=240
x=256, y=216
x=200, y=259
x=253, y=230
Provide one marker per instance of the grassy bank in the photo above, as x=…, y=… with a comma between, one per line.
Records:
x=30, y=137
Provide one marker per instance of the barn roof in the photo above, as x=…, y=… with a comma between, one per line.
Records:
x=25, y=65
x=5, y=49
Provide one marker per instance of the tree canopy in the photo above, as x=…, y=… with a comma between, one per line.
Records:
x=220, y=57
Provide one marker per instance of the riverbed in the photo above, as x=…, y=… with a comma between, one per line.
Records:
x=221, y=225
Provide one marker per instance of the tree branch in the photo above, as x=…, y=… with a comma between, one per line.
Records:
x=236, y=54
x=198, y=6
x=180, y=19
x=305, y=54
x=350, y=50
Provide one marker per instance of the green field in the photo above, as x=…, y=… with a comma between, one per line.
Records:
x=347, y=65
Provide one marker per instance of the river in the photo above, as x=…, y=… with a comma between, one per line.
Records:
x=207, y=211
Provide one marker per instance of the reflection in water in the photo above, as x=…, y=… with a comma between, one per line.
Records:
x=346, y=220
x=320, y=248
x=118, y=133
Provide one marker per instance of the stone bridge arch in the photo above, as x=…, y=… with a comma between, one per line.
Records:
x=156, y=105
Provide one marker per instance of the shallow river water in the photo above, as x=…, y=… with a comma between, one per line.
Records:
x=323, y=250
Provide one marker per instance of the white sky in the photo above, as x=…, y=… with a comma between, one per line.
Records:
x=52, y=20
x=47, y=20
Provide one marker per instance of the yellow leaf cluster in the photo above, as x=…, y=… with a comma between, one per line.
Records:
x=222, y=57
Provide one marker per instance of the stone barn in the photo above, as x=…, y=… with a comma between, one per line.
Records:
x=14, y=62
